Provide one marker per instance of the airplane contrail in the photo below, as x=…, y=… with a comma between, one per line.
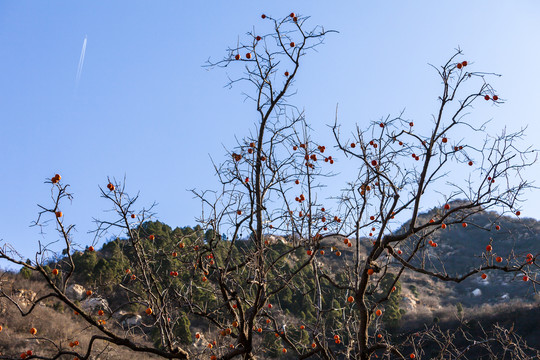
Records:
x=81, y=62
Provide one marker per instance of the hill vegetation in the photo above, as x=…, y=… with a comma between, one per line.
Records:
x=416, y=302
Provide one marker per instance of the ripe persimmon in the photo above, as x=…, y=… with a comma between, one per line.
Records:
x=88, y=292
x=59, y=214
x=292, y=44
x=33, y=331
x=248, y=56
x=378, y=312
x=486, y=97
x=350, y=299
x=148, y=311
x=237, y=57
x=499, y=259
x=90, y=248
x=489, y=248
x=55, y=272
x=370, y=271
x=484, y=276
x=133, y=216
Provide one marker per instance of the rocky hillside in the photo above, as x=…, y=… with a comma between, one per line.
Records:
x=501, y=297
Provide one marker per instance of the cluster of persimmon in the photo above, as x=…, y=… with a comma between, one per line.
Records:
x=174, y=273
x=300, y=198
x=56, y=178
x=432, y=243
x=495, y=97
x=461, y=64
x=74, y=343
x=110, y=187
x=236, y=157
x=24, y=355
x=337, y=340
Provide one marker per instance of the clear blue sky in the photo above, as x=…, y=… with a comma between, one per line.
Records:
x=147, y=109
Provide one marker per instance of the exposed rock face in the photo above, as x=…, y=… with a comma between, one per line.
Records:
x=25, y=297
x=76, y=292
x=408, y=304
x=477, y=292
x=129, y=320
x=94, y=303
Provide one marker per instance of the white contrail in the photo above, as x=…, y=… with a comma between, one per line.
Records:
x=81, y=62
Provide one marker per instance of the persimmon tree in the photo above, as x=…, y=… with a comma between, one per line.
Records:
x=259, y=250
x=399, y=169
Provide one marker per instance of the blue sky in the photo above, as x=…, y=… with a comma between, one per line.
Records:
x=145, y=108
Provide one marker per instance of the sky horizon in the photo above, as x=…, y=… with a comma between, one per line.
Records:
x=143, y=106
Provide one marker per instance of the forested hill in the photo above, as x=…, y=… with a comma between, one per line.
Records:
x=419, y=300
